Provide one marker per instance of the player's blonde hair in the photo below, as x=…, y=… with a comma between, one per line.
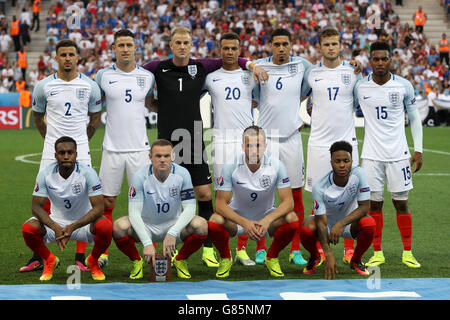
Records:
x=181, y=30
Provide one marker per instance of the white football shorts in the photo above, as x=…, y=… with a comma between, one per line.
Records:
x=318, y=163
x=397, y=173
x=48, y=155
x=113, y=166
x=290, y=152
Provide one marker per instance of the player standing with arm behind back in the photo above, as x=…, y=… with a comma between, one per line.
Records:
x=279, y=104
x=67, y=99
x=332, y=82
x=231, y=96
x=126, y=90
x=383, y=96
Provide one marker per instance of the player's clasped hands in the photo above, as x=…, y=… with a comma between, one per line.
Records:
x=253, y=230
x=62, y=236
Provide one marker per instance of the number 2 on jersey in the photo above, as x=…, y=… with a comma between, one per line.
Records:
x=68, y=106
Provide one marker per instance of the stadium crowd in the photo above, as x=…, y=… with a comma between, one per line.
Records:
x=361, y=22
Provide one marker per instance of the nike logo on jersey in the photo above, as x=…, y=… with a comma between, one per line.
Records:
x=165, y=70
x=214, y=80
x=111, y=82
x=240, y=182
x=365, y=98
x=407, y=184
x=317, y=80
x=150, y=192
x=51, y=188
x=53, y=93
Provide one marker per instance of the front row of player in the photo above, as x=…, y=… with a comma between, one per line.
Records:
x=162, y=208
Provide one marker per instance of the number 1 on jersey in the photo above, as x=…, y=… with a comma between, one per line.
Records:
x=180, y=80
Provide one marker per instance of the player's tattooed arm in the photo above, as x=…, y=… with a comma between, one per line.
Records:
x=94, y=122
x=39, y=122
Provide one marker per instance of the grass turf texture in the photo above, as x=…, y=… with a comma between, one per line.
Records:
x=429, y=203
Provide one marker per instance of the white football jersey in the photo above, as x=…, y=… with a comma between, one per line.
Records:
x=66, y=105
x=231, y=97
x=162, y=200
x=253, y=193
x=338, y=202
x=280, y=97
x=69, y=197
x=384, y=117
x=332, y=117
x=125, y=94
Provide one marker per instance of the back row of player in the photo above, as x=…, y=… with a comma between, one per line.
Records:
x=332, y=85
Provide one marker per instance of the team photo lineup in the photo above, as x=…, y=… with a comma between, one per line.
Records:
x=251, y=187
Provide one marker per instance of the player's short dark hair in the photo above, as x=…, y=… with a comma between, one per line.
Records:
x=123, y=33
x=230, y=36
x=161, y=143
x=66, y=43
x=280, y=32
x=380, y=45
x=341, y=145
x=64, y=139
x=329, y=32
x=253, y=130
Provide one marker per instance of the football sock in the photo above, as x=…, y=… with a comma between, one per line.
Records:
x=261, y=244
x=191, y=244
x=205, y=210
x=348, y=244
x=126, y=245
x=108, y=213
x=378, y=217
x=404, y=223
x=242, y=242
x=81, y=247
x=309, y=241
x=102, y=237
x=366, y=232
x=281, y=238
x=300, y=212
x=220, y=237
x=35, y=241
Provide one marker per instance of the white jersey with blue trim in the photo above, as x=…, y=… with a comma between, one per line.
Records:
x=332, y=118
x=69, y=197
x=66, y=105
x=384, y=114
x=231, y=97
x=162, y=200
x=125, y=94
x=338, y=202
x=280, y=97
x=253, y=192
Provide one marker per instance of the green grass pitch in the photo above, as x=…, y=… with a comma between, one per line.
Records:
x=429, y=204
